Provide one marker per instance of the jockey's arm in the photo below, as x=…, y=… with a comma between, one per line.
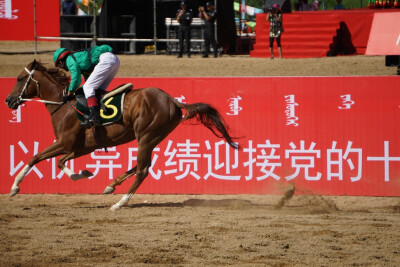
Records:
x=75, y=71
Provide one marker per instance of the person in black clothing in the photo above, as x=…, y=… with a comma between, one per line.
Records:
x=209, y=17
x=69, y=7
x=184, y=17
x=398, y=67
x=276, y=29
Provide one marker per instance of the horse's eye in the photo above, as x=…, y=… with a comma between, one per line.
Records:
x=19, y=79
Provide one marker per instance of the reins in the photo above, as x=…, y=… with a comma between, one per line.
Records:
x=77, y=110
x=20, y=99
x=41, y=101
x=59, y=106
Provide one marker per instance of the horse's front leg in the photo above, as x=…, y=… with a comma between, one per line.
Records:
x=51, y=151
x=74, y=176
x=117, y=181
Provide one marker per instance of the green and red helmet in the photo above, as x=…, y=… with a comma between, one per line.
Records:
x=60, y=54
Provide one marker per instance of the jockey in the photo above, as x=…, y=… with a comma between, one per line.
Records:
x=98, y=66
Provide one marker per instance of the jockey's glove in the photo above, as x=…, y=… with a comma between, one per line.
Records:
x=67, y=97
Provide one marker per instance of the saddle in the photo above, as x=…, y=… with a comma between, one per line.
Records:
x=111, y=103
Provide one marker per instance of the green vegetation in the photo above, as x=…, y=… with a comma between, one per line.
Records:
x=348, y=4
x=89, y=9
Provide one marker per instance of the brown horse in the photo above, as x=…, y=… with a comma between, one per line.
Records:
x=149, y=115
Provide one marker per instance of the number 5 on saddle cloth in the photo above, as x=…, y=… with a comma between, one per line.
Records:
x=112, y=104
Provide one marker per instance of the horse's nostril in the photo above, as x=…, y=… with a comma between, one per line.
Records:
x=11, y=102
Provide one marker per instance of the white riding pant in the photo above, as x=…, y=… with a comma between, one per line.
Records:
x=102, y=74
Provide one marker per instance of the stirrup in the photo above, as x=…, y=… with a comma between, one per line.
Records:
x=96, y=123
x=90, y=123
x=87, y=123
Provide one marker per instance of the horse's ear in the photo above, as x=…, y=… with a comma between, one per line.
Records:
x=32, y=65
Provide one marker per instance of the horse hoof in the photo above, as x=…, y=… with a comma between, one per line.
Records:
x=14, y=191
x=108, y=190
x=115, y=207
x=84, y=174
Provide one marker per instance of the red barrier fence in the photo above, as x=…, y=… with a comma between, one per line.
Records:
x=384, y=38
x=316, y=34
x=326, y=135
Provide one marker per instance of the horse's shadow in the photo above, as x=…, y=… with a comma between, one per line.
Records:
x=207, y=203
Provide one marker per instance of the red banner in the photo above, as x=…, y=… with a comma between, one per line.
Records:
x=17, y=19
x=325, y=135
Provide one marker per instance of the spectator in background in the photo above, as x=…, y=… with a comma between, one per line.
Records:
x=209, y=15
x=302, y=5
x=398, y=67
x=69, y=7
x=184, y=17
x=315, y=5
x=297, y=5
x=276, y=29
x=338, y=5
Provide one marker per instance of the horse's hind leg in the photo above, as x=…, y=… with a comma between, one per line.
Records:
x=119, y=180
x=53, y=150
x=149, y=134
x=69, y=172
x=142, y=170
x=145, y=149
x=146, y=144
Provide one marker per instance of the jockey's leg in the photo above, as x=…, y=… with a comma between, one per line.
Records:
x=102, y=74
x=94, y=107
x=113, y=64
x=100, y=78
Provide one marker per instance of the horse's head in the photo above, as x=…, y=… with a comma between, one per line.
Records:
x=25, y=87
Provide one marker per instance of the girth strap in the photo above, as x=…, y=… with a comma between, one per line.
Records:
x=97, y=139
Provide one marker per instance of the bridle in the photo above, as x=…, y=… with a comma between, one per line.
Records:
x=21, y=100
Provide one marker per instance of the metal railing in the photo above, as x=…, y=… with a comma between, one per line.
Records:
x=95, y=38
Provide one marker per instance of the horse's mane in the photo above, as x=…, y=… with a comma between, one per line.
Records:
x=56, y=73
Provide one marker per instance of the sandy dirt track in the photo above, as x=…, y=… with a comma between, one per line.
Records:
x=176, y=230
x=201, y=230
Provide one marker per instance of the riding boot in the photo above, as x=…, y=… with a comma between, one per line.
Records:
x=94, y=117
x=95, y=114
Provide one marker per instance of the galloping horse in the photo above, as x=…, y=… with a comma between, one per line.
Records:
x=149, y=115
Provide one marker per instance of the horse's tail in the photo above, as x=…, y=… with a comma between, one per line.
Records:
x=209, y=117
